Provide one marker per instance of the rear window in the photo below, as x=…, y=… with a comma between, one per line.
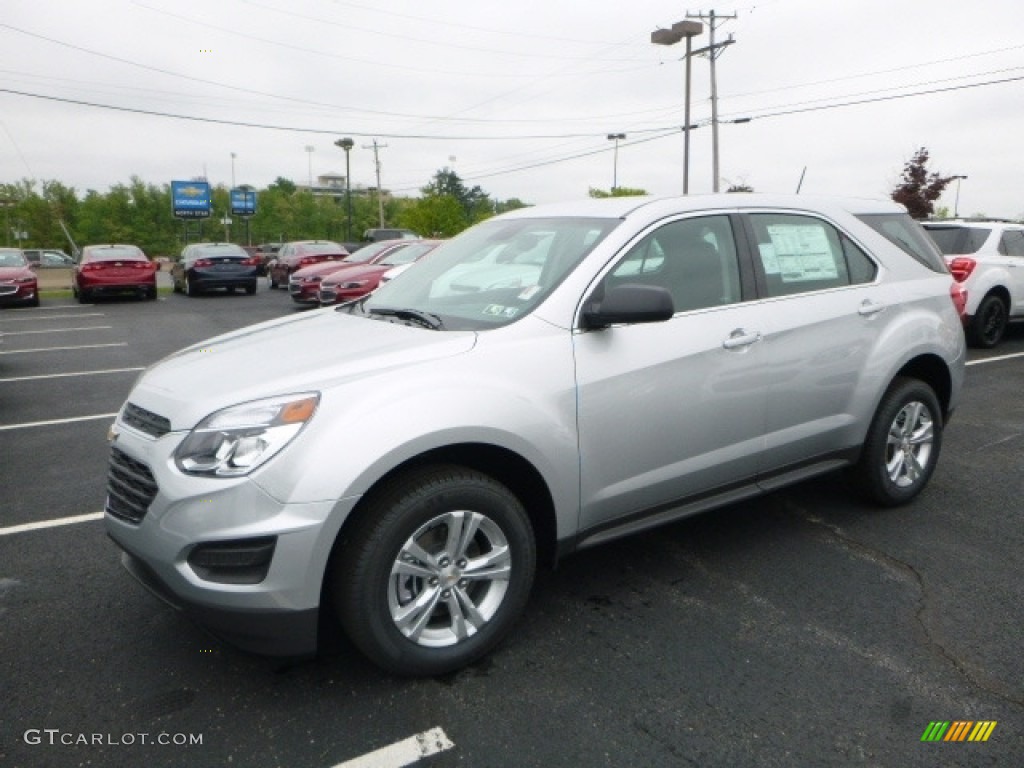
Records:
x=307, y=248
x=114, y=253
x=224, y=250
x=958, y=240
x=907, y=235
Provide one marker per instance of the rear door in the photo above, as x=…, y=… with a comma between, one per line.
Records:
x=824, y=308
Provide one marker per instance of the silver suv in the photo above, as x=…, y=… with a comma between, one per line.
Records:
x=403, y=464
x=987, y=258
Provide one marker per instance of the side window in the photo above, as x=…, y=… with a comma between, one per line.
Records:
x=694, y=259
x=800, y=254
x=860, y=268
x=1012, y=243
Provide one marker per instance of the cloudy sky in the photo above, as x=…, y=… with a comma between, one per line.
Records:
x=517, y=96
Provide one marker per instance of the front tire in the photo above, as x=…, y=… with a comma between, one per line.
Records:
x=902, y=445
x=987, y=326
x=435, y=571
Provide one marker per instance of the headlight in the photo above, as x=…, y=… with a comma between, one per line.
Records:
x=355, y=284
x=236, y=440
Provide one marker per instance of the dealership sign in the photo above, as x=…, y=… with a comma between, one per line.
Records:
x=191, y=199
x=243, y=202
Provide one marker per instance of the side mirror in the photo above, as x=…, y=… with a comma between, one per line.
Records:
x=628, y=303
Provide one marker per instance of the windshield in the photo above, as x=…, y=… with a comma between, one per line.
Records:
x=10, y=257
x=494, y=273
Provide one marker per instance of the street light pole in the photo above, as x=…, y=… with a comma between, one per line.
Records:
x=956, y=204
x=232, y=170
x=615, y=162
x=347, y=144
x=309, y=151
x=680, y=30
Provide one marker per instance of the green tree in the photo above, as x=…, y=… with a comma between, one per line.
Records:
x=435, y=216
x=918, y=188
x=476, y=204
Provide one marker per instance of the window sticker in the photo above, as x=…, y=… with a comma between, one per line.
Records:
x=801, y=253
x=497, y=310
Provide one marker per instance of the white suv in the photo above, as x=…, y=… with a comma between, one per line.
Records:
x=987, y=257
x=402, y=464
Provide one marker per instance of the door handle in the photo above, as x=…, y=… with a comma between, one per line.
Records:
x=869, y=307
x=741, y=338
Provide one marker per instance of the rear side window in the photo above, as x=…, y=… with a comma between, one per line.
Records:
x=1012, y=243
x=799, y=254
x=907, y=235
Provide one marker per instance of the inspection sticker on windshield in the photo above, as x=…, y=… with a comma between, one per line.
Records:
x=499, y=311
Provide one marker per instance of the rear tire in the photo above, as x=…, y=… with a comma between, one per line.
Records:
x=436, y=571
x=987, y=326
x=191, y=289
x=902, y=445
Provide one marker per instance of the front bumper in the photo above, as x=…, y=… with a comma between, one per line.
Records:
x=18, y=293
x=276, y=616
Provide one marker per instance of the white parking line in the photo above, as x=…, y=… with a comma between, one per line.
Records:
x=59, y=330
x=30, y=424
x=405, y=752
x=996, y=359
x=36, y=319
x=61, y=349
x=50, y=523
x=35, y=310
x=65, y=375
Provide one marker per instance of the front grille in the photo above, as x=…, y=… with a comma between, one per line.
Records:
x=131, y=487
x=145, y=421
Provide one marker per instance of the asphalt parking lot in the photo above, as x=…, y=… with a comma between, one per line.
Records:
x=802, y=628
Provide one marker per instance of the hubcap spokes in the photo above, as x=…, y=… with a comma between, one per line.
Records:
x=909, y=445
x=449, y=578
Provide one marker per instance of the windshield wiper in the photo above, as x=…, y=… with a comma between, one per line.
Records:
x=426, y=319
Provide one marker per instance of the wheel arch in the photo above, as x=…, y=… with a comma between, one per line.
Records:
x=506, y=466
x=999, y=290
x=933, y=371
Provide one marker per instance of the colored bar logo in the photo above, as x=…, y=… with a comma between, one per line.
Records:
x=959, y=730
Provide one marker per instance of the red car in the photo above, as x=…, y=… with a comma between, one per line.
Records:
x=108, y=270
x=354, y=283
x=18, y=283
x=304, y=284
x=299, y=254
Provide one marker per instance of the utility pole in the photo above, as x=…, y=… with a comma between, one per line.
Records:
x=376, y=161
x=713, y=52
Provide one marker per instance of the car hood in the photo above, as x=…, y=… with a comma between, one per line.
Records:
x=358, y=273
x=322, y=268
x=313, y=352
x=14, y=273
